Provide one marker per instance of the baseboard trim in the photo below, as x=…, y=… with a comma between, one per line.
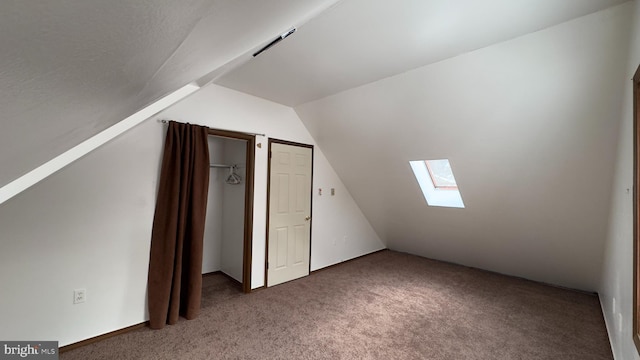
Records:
x=607, y=326
x=103, y=337
x=346, y=261
x=220, y=272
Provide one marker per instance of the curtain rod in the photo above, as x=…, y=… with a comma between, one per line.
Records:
x=244, y=132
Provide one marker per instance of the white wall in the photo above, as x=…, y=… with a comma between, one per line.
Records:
x=530, y=127
x=233, y=210
x=616, y=285
x=339, y=230
x=86, y=226
x=333, y=218
x=89, y=225
x=211, y=254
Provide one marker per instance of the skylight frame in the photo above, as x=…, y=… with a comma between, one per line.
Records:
x=434, y=177
x=439, y=197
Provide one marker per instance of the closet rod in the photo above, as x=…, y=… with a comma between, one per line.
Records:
x=222, y=166
x=243, y=132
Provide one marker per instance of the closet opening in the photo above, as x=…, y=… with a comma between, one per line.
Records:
x=229, y=222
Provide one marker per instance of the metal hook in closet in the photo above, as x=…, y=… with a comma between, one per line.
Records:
x=233, y=178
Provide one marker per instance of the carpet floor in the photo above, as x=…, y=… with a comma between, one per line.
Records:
x=386, y=305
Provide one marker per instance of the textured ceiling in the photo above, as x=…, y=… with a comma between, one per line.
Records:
x=71, y=68
x=360, y=41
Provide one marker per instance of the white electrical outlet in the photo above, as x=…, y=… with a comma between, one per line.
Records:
x=79, y=296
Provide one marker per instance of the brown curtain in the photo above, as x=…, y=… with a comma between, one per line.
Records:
x=175, y=265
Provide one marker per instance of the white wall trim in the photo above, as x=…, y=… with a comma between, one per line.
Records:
x=607, y=326
x=43, y=171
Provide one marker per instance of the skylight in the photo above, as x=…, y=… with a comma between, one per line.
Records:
x=437, y=182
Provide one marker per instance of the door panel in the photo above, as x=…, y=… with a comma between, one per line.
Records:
x=289, y=239
x=281, y=247
x=300, y=244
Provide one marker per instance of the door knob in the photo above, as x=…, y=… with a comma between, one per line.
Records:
x=307, y=218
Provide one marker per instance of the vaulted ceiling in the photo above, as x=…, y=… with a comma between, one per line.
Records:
x=71, y=68
x=518, y=95
x=360, y=41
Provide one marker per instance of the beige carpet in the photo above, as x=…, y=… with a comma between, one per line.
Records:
x=387, y=305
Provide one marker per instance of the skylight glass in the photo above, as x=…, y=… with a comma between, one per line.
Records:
x=441, y=174
x=437, y=182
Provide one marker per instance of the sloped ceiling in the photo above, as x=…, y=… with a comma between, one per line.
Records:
x=526, y=122
x=360, y=41
x=71, y=68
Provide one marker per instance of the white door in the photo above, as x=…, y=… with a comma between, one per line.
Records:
x=289, y=239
